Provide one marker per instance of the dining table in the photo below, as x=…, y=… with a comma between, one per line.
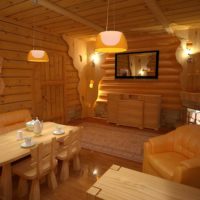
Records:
x=12, y=151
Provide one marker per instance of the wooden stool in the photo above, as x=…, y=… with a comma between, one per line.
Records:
x=41, y=163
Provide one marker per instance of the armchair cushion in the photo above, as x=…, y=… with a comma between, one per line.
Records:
x=175, y=156
x=165, y=163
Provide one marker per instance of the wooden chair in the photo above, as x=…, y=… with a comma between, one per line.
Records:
x=69, y=149
x=41, y=163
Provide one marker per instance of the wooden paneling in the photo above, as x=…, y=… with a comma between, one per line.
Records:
x=44, y=88
x=129, y=15
x=168, y=83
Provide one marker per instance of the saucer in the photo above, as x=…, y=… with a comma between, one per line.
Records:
x=58, y=132
x=24, y=145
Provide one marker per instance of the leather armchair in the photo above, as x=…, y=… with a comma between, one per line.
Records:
x=13, y=120
x=175, y=156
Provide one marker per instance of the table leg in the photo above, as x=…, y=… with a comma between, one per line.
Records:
x=6, y=181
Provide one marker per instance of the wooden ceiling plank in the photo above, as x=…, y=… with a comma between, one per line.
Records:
x=16, y=8
x=26, y=27
x=119, y=26
x=66, y=4
x=131, y=22
x=5, y=4
x=185, y=18
x=83, y=30
x=127, y=17
x=52, y=21
x=38, y=18
x=64, y=25
x=69, y=14
x=158, y=14
x=96, y=4
x=29, y=13
x=8, y=31
x=130, y=14
x=186, y=11
x=97, y=12
x=177, y=4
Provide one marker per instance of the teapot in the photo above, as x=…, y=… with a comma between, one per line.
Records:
x=37, y=129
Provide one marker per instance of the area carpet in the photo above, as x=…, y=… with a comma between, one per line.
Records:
x=115, y=140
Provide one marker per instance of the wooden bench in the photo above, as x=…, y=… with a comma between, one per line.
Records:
x=14, y=120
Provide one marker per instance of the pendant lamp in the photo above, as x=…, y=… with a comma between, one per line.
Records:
x=110, y=41
x=36, y=55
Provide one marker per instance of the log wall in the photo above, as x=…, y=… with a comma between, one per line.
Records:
x=167, y=85
x=47, y=89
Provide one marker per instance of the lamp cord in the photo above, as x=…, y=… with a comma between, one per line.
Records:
x=33, y=37
x=114, y=16
x=108, y=5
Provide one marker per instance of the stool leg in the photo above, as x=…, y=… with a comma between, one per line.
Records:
x=76, y=162
x=22, y=188
x=35, y=190
x=52, y=182
x=64, y=173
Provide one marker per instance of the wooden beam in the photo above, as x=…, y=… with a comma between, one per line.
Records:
x=157, y=12
x=173, y=26
x=69, y=14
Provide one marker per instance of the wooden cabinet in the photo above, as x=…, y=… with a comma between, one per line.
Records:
x=136, y=110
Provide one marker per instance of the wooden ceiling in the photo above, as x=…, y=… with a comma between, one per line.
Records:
x=130, y=16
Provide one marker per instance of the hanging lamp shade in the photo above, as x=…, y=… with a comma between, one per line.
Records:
x=37, y=56
x=111, y=42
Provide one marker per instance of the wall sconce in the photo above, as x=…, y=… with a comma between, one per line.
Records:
x=189, y=51
x=91, y=84
x=95, y=58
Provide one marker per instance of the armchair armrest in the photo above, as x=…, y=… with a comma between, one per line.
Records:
x=191, y=163
x=188, y=172
x=162, y=143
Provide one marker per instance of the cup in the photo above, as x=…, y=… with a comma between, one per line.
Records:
x=58, y=129
x=27, y=140
x=19, y=135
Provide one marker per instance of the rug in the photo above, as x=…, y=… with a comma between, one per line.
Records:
x=115, y=140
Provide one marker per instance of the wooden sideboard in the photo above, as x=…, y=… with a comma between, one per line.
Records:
x=136, y=110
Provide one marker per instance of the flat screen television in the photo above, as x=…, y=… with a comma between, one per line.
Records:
x=137, y=65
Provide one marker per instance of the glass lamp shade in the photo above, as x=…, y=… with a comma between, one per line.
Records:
x=111, y=42
x=37, y=56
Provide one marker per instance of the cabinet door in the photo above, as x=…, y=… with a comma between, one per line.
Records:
x=112, y=107
x=130, y=113
x=152, y=115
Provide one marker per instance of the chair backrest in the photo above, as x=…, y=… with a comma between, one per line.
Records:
x=13, y=120
x=71, y=142
x=44, y=155
x=187, y=140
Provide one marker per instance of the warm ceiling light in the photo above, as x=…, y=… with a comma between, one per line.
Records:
x=111, y=42
x=37, y=56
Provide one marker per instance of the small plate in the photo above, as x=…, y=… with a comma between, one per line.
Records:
x=58, y=132
x=24, y=145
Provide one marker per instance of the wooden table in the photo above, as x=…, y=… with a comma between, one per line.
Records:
x=120, y=183
x=10, y=151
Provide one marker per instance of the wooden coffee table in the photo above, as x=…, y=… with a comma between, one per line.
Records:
x=119, y=183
